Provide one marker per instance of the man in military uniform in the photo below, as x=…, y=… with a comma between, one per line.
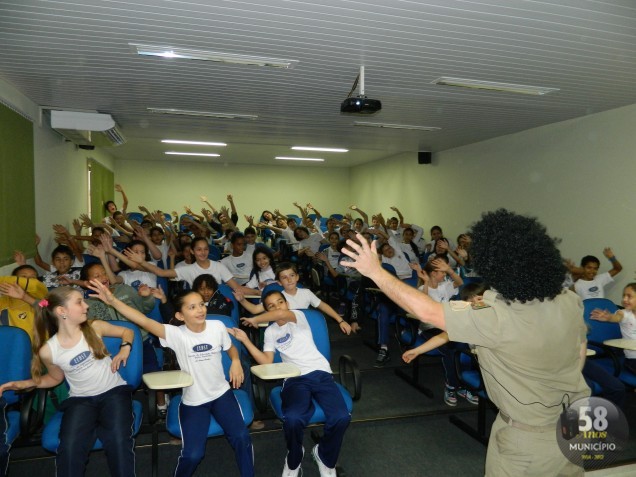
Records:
x=530, y=338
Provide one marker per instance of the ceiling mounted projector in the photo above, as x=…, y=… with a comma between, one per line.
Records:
x=360, y=104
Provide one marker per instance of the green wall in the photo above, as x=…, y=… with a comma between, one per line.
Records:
x=172, y=185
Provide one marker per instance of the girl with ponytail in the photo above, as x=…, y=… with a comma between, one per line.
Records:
x=70, y=347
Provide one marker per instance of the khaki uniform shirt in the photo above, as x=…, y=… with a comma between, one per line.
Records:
x=529, y=353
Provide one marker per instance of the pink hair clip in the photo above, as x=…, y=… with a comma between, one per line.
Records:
x=43, y=303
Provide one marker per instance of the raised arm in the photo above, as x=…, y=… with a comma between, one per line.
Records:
x=311, y=207
x=149, y=267
x=38, y=258
x=400, y=216
x=124, y=205
x=363, y=214
x=616, y=265
x=440, y=264
x=138, y=318
x=365, y=260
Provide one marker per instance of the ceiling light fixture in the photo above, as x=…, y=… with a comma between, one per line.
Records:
x=204, y=114
x=206, y=154
x=190, y=54
x=395, y=126
x=193, y=143
x=319, y=149
x=494, y=86
x=281, y=158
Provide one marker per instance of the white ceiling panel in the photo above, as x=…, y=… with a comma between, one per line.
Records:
x=75, y=55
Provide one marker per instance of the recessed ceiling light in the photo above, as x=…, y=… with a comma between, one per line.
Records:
x=206, y=154
x=281, y=158
x=319, y=149
x=395, y=126
x=193, y=143
x=494, y=86
x=205, y=114
x=190, y=54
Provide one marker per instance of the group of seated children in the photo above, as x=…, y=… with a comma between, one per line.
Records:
x=121, y=266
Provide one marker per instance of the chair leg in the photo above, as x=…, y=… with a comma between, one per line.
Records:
x=414, y=378
x=480, y=433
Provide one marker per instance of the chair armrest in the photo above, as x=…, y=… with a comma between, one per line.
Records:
x=350, y=377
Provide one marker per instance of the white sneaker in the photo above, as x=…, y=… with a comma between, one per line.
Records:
x=297, y=472
x=322, y=468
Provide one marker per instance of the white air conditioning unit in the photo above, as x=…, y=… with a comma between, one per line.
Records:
x=87, y=129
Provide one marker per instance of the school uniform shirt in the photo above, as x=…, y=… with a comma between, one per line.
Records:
x=19, y=313
x=295, y=343
x=628, y=330
x=593, y=288
x=219, y=271
x=264, y=276
x=304, y=298
x=288, y=235
x=240, y=267
x=333, y=256
x=199, y=355
x=86, y=375
x=312, y=242
x=50, y=279
x=136, y=278
x=398, y=261
x=443, y=293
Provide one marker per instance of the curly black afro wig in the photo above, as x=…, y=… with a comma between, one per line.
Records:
x=515, y=255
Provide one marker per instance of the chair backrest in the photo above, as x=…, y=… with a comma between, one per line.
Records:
x=389, y=268
x=131, y=373
x=319, y=331
x=215, y=253
x=599, y=331
x=15, y=356
x=336, y=216
x=225, y=359
x=226, y=291
x=136, y=216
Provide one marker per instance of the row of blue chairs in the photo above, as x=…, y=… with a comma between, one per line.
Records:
x=15, y=354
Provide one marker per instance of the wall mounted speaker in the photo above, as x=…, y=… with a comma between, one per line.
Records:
x=424, y=157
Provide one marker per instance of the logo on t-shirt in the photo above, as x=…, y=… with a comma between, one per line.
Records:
x=592, y=289
x=80, y=358
x=283, y=339
x=202, y=348
x=136, y=284
x=240, y=265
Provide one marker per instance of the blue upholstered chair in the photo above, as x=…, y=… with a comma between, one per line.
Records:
x=348, y=370
x=15, y=356
x=611, y=359
x=469, y=375
x=131, y=373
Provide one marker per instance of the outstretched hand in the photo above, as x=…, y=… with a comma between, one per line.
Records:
x=365, y=256
x=102, y=292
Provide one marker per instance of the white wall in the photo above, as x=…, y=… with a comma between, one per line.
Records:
x=576, y=177
x=171, y=185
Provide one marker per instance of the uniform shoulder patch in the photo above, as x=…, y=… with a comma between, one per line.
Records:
x=456, y=305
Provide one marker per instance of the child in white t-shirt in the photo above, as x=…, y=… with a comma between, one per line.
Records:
x=627, y=320
x=198, y=344
x=587, y=282
x=291, y=336
x=298, y=298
